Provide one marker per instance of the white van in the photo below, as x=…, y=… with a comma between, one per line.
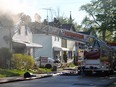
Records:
x=47, y=62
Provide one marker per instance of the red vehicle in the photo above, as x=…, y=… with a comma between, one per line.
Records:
x=99, y=57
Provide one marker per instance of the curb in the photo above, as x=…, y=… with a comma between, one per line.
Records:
x=26, y=79
x=38, y=76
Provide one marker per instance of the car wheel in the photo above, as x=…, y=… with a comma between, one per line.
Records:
x=49, y=66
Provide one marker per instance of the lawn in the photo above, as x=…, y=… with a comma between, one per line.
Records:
x=14, y=72
x=10, y=73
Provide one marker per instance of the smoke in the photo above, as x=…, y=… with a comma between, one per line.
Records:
x=6, y=20
x=9, y=10
x=13, y=6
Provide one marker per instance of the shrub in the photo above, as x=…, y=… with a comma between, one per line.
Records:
x=71, y=64
x=43, y=70
x=21, y=61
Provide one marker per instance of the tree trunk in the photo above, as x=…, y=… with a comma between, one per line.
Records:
x=104, y=35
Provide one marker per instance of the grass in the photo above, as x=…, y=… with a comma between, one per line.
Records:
x=44, y=70
x=10, y=73
x=71, y=64
x=14, y=72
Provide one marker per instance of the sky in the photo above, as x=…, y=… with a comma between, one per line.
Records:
x=46, y=7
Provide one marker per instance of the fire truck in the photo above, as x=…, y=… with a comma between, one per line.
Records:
x=96, y=55
x=98, y=58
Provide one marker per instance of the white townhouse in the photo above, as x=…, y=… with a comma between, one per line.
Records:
x=54, y=46
x=22, y=41
x=51, y=45
x=19, y=40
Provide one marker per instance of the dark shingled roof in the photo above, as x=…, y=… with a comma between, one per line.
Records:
x=63, y=26
x=68, y=27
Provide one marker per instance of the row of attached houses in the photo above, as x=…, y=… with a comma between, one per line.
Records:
x=53, y=46
x=18, y=40
x=28, y=41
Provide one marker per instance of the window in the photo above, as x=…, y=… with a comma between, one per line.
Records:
x=64, y=43
x=56, y=38
x=25, y=31
x=19, y=31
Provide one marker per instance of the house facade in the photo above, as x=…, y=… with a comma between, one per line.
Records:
x=22, y=41
x=54, y=47
x=51, y=45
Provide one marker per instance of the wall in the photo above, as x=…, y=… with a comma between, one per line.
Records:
x=23, y=36
x=71, y=45
x=56, y=41
x=46, y=42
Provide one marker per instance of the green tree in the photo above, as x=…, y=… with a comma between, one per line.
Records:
x=67, y=20
x=102, y=13
x=22, y=18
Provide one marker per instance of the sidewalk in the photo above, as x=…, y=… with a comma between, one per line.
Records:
x=37, y=76
x=14, y=79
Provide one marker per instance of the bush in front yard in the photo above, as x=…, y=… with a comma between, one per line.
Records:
x=22, y=61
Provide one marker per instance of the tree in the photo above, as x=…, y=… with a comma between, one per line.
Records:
x=102, y=13
x=26, y=19
x=22, y=18
x=64, y=20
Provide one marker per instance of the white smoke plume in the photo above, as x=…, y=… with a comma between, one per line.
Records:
x=13, y=6
x=9, y=10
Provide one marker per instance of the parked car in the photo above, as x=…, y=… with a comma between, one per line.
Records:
x=47, y=62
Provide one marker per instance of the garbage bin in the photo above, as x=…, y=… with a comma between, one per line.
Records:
x=27, y=75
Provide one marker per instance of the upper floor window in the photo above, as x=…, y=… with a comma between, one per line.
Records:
x=64, y=43
x=25, y=31
x=19, y=31
x=56, y=38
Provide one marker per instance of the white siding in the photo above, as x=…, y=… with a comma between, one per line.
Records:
x=46, y=42
x=22, y=36
x=56, y=41
x=71, y=45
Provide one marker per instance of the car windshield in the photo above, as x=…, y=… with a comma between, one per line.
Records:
x=51, y=59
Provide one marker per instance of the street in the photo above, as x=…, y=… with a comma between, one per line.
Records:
x=65, y=81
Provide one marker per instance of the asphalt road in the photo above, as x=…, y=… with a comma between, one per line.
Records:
x=64, y=81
